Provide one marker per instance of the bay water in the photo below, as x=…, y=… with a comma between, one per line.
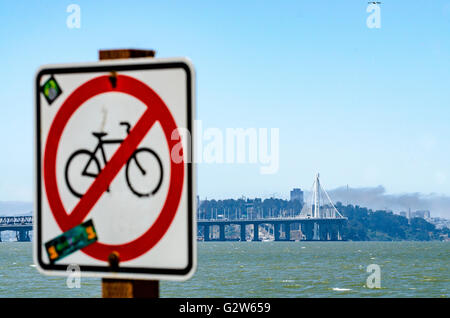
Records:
x=267, y=269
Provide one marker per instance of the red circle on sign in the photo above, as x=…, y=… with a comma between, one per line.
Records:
x=160, y=112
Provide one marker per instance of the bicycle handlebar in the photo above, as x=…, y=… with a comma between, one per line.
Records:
x=128, y=126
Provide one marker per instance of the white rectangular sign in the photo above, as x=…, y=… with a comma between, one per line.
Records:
x=114, y=175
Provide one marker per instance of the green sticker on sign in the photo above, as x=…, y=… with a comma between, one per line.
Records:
x=71, y=241
x=51, y=90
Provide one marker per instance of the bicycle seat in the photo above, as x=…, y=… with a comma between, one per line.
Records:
x=99, y=134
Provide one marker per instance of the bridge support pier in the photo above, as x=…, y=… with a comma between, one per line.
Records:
x=22, y=236
x=339, y=232
x=308, y=230
x=276, y=231
x=316, y=236
x=255, y=232
x=243, y=232
x=323, y=231
x=206, y=236
x=222, y=232
x=333, y=230
x=287, y=231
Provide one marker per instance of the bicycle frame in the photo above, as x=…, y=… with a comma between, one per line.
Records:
x=100, y=144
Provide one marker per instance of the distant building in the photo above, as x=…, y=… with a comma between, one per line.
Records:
x=297, y=194
x=424, y=214
x=403, y=213
x=440, y=223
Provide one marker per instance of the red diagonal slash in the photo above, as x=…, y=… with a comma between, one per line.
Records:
x=156, y=111
x=112, y=168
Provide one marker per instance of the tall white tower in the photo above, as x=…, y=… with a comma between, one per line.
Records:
x=320, y=197
x=316, y=213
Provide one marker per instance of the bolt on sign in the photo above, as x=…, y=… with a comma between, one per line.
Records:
x=114, y=175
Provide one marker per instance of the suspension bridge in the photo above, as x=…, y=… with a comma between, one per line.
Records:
x=318, y=220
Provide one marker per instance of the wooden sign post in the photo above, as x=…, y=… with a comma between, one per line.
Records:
x=127, y=288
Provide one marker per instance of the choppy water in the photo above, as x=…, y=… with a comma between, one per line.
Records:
x=267, y=269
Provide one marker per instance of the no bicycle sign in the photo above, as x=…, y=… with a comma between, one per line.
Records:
x=114, y=179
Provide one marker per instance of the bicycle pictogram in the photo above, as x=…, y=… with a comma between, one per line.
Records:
x=137, y=160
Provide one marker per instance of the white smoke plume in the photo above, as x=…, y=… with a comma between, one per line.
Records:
x=376, y=198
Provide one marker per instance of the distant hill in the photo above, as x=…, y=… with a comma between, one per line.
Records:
x=15, y=208
x=367, y=225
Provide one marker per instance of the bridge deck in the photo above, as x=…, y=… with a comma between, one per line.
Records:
x=269, y=220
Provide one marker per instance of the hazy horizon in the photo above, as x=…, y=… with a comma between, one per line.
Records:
x=375, y=198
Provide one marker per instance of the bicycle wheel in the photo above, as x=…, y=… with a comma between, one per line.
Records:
x=79, y=163
x=144, y=172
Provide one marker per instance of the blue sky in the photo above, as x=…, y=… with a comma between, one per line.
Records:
x=363, y=107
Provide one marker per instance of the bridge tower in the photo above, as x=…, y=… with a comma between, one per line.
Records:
x=316, y=213
x=321, y=212
x=320, y=205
